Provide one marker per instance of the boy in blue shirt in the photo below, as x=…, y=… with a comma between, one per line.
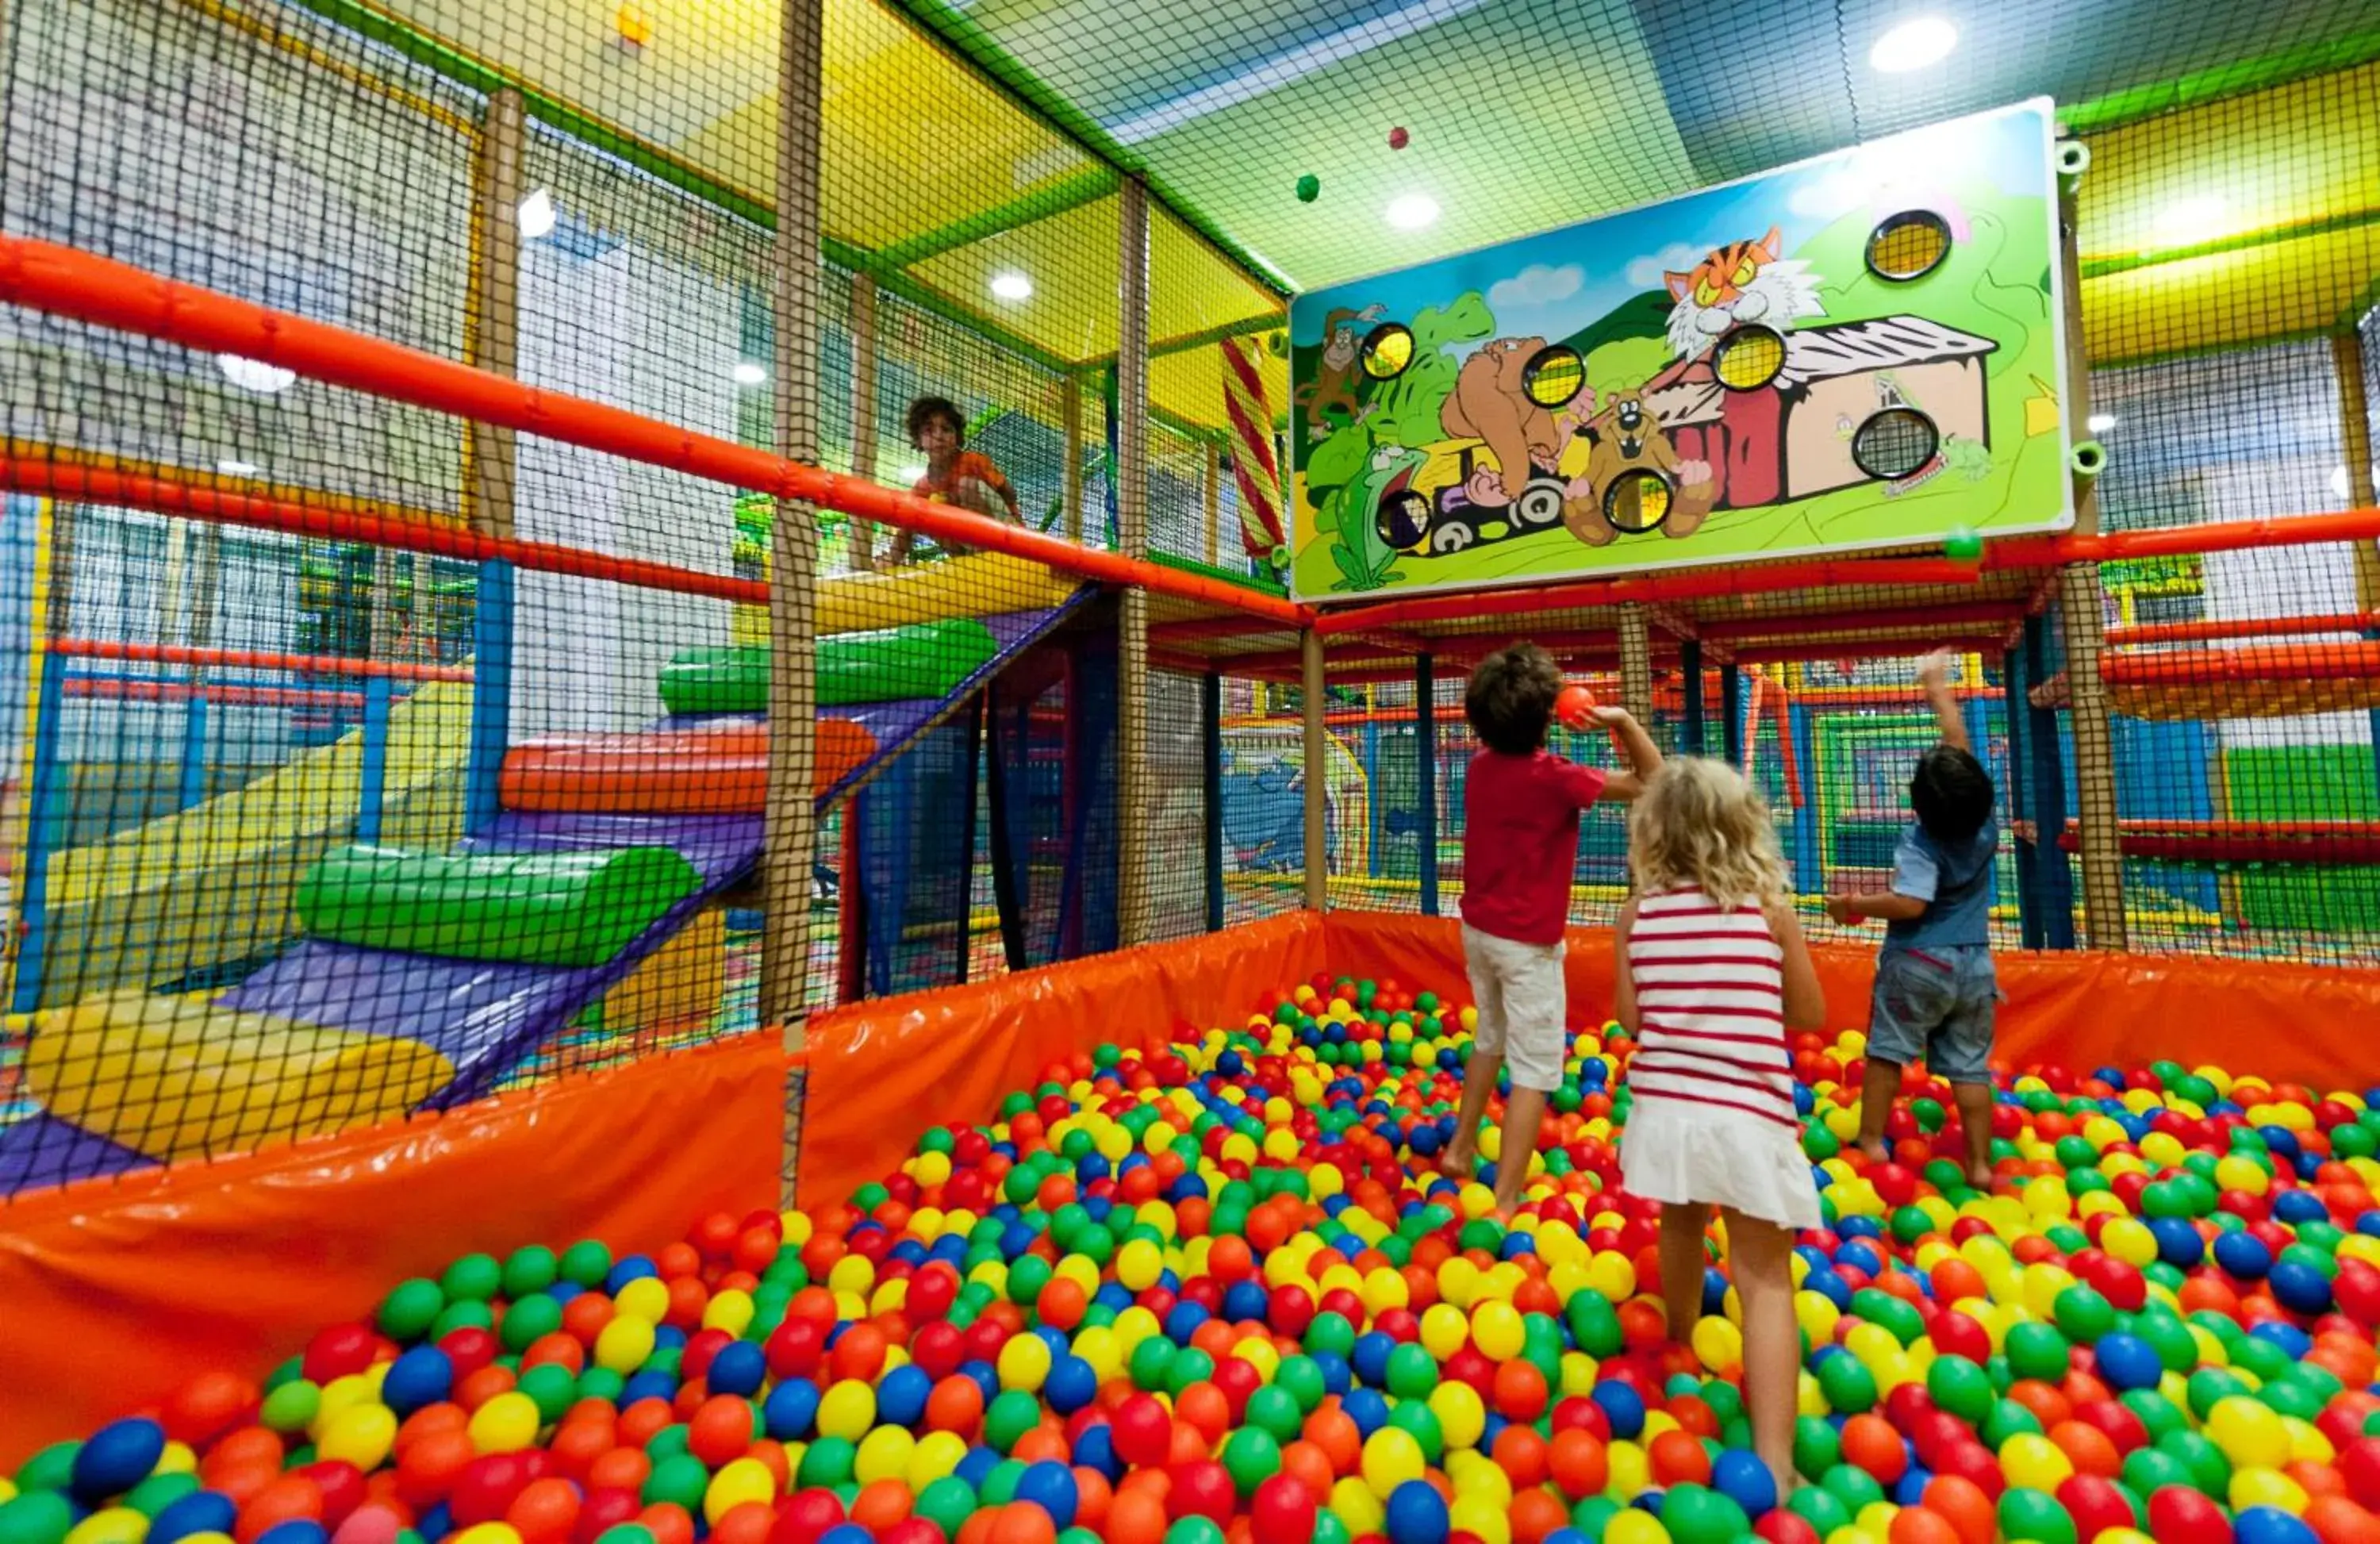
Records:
x=1935, y=987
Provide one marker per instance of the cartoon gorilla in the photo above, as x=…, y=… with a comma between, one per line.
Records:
x=1490, y=403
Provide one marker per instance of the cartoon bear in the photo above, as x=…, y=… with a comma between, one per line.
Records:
x=1490, y=404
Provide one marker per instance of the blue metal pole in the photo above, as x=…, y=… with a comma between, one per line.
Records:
x=45, y=822
x=1807, y=875
x=2054, y=876
x=1690, y=660
x=1210, y=704
x=1731, y=712
x=377, y=691
x=1425, y=747
x=194, y=749
x=491, y=696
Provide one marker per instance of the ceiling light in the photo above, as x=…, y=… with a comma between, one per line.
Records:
x=1011, y=287
x=1411, y=211
x=917, y=474
x=536, y=215
x=232, y=467
x=2099, y=423
x=255, y=375
x=2192, y=219
x=1919, y=42
x=749, y=375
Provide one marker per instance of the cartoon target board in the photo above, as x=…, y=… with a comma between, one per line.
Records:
x=1864, y=350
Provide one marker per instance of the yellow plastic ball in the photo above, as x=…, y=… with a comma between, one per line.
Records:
x=505, y=1423
x=488, y=1533
x=1356, y=1506
x=2034, y=1462
x=884, y=1454
x=1718, y=1343
x=1390, y=1457
x=848, y=1408
x=646, y=1298
x=2266, y=1487
x=1023, y=1363
x=1630, y=1469
x=1444, y=1329
x=2235, y=1172
x=1633, y=1526
x=1384, y=1289
x=1461, y=1415
x=738, y=1482
x=1612, y=1274
x=361, y=1435
x=1498, y=1331
x=936, y=1453
x=114, y=1525
x=2249, y=1433
x=1481, y=1518
x=623, y=1345
x=1458, y=1280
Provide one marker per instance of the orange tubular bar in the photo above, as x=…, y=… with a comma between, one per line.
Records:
x=1941, y=618
x=252, y=659
x=2246, y=627
x=2279, y=662
x=65, y=282
x=1861, y=649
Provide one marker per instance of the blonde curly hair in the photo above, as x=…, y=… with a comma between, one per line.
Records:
x=1699, y=824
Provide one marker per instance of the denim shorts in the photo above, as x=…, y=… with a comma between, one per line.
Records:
x=1935, y=1005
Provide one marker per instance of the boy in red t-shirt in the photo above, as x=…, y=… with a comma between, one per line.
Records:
x=1521, y=805
x=953, y=475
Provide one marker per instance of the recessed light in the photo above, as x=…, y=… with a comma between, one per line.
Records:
x=232, y=467
x=536, y=215
x=1919, y=42
x=2192, y=219
x=1411, y=211
x=914, y=474
x=749, y=375
x=2099, y=423
x=1011, y=287
x=255, y=375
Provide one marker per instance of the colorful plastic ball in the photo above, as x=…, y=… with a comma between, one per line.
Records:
x=1309, y=187
x=1417, y=1513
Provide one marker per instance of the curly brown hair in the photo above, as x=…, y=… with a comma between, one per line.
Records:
x=926, y=409
x=1511, y=698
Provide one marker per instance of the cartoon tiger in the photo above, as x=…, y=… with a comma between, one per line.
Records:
x=1742, y=282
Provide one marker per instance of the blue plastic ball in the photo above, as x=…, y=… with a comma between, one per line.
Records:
x=2178, y=1243
x=1050, y=1486
x=1417, y=1515
x=846, y=1532
x=297, y=1530
x=421, y=1377
x=1741, y=1477
x=741, y=1367
x=2128, y=1362
x=2293, y=1206
x=2270, y=1525
x=198, y=1511
x=899, y=1396
x=117, y=1457
x=792, y=1410
x=1071, y=1385
x=2242, y=1255
x=2301, y=1288
x=1622, y=1407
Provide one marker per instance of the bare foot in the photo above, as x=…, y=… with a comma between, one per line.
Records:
x=1875, y=1149
x=1457, y=1164
x=1981, y=1179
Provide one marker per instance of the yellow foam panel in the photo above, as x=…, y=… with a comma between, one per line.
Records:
x=982, y=584
x=681, y=981
x=175, y=1078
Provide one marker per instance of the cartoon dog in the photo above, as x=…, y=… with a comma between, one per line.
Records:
x=1628, y=437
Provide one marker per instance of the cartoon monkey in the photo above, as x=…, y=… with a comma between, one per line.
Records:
x=1334, y=380
x=1490, y=403
x=1628, y=437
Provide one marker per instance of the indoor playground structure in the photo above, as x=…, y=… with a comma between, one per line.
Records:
x=733, y=770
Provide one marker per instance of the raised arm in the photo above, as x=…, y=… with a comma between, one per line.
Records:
x=1933, y=674
x=1644, y=755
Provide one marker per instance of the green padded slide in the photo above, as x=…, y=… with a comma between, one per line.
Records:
x=577, y=908
x=892, y=664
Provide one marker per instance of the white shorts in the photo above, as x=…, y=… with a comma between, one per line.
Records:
x=1517, y=989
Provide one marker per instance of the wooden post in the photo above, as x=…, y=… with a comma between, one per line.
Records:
x=1070, y=408
x=1426, y=770
x=2355, y=436
x=1636, y=663
x=491, y=456
x=790, y=828
x=1133, y=786
x=863, y=409
x=1317, y=763
x=498, y=184
x=2079, y=604
x=1211, y=502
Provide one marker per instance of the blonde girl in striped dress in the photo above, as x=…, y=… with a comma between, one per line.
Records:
x=1712, y=971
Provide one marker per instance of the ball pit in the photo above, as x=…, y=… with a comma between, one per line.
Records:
x=1219, y=1294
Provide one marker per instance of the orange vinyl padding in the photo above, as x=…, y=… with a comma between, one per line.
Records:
x=116, y=1291
x=722, y=771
